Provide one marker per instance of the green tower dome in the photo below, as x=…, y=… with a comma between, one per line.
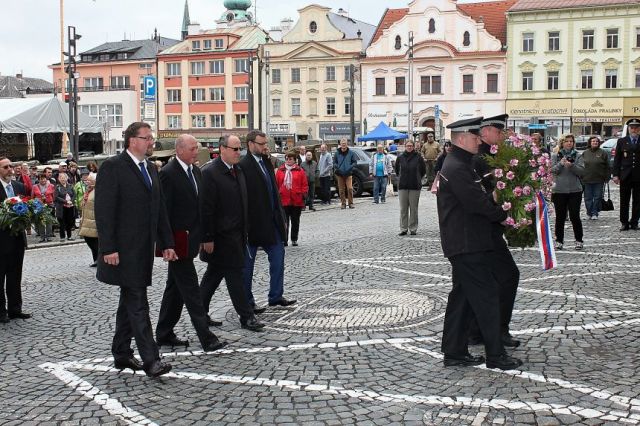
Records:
x=237, y=4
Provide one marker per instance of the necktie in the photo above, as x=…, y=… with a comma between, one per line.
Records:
x=9, y=191
x=267, y=179
x=145, y=174
x=634, y=141
x=193, y=181
x=233, y=171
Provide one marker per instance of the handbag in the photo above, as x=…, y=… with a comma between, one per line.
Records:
x=389, y=190
x=606, y=205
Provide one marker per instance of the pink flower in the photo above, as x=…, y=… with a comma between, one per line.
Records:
x=514, y=162
x=524, y=221
x=498, y=173
x=533, y=163
x=500, y=185
x=510, y=175
x=535, y=150
x=534, y=176
x=517, y=191
x=506, y=206
x=509, y=221
x=526, y=190
x=529, y=207
x=493, y=149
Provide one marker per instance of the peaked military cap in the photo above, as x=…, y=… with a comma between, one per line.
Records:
x=471, y=125
x=633, y=122
x=498, y=121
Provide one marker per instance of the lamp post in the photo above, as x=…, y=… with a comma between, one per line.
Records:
x=250, y=91
x=267, y=107
x=410, y=88
x=65, y=136
x=72, y=75
x=352, y=91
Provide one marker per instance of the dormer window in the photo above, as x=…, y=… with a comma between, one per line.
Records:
x=432, y=26
x=398, y=44
x=195, y=45
x=219, y=43
x=466, y=39
x=313, y=27
x=207, y=45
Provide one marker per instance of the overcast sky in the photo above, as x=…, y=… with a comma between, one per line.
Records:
x=30, y=30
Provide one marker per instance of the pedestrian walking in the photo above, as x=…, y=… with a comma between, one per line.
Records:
x=291, y=181
x=343, y=163
x=410, y=169
x=626, y=173
x=380, y=167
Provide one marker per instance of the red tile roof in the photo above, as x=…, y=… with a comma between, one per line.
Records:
x=493, y=14
x=390, y=16
x=522, y=5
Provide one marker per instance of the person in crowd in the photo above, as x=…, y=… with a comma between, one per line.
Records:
x=130, y=217
x=12, y=249
x=292, y=184
x=34, y=175
x=73, y=173
x=536, y=139
x=466, y=218
x=158, y=165
x=65, y=208
x=325, y=171
x=48, y=171
x=380, y=167
x=225, y=228
x=88, y=229
x=80, y=188
x=343, y=163
x=567, y=168
x=266, y=221
x=302, y=150
x=440, y=161
x=430, y=152
x=393, y=147
x=21, y=173
x=626, y=173
x=410, y=169
x=212, y=152
x=62, y=169
x=181, y=189
x=310, y=167
x=596, y=174
x=45, y=191
x=69, y=157
x=92, y=167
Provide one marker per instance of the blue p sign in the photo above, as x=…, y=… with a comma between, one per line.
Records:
x=149, y=88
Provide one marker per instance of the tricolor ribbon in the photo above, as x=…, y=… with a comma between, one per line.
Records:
x=543, y=228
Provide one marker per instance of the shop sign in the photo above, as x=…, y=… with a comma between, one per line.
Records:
x=278, y=128
x=597, y=120
x=598, y=108
x=539, y=108
x=631, y=107
x=333, y=129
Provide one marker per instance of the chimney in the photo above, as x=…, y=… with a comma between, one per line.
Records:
x=343, y=12
x=193, y=28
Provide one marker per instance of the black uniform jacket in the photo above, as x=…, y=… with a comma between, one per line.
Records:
x=627, y=159
x=264, y=220
x=181, y=201
x=8, y=242
x=224, y=214
x=465, y=212
x=130, y=217
x=482, y=168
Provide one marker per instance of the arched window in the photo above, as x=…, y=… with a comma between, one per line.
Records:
x=467, y=39
x=398, y=45
x=432, y=26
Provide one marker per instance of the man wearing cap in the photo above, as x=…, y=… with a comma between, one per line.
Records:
x=430, y=151
x=626, y=173
x=507, y=273
x=466, y=216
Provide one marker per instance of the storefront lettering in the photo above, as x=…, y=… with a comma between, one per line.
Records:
x=377, y=115
x=597, y=111
x=536, y=111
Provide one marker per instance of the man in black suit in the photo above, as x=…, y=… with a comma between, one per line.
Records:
x=130, y=216
x=266, y=220
x=626, y=173
x=225, y=224
x=11, y=251
x=181, y=189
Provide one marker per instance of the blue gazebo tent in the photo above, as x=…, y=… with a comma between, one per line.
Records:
x=383, y=133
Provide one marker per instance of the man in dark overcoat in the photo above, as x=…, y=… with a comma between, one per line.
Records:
x=130, y=217
x=182, y=190
x=626, y=173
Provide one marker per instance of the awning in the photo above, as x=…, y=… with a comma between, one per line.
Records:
x=42, y=115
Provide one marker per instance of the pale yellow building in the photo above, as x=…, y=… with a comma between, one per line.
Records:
x=574, y=65
x=306, y=94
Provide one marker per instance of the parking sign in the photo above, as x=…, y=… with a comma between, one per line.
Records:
x=149, y=88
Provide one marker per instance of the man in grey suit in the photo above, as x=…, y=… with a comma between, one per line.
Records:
x=130, y=216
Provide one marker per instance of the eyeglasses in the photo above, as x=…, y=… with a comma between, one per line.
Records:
x=146, y=138
x=235, y=148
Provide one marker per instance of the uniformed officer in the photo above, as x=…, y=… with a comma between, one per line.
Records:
x=507, y=273
x=626, y=173
x=466, y=216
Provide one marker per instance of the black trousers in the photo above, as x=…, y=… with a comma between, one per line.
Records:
x=11, y=279
x=629, y=189
x=93, y=246
x=233, y=278
x=182, y=290
x=475, y=292
x=66, y=222
x=311, y=194
x=325, y=188
x=292, y=215
x=132, y=320
x=563, y=203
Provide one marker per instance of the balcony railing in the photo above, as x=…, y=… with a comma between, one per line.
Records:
x=100, y=88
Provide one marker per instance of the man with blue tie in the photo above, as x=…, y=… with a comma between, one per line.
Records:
x=266, y=220
x=11, y=251
x=130, y=217
x=626, y=173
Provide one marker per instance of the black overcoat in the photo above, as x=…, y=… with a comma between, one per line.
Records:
x=11, y=243
x=626, y=162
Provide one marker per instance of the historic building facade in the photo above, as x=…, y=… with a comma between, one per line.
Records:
x=574, y=67
x=456, y=64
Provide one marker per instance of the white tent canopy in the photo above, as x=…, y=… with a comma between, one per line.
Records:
x=41, y=115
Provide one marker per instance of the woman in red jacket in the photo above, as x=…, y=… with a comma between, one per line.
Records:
x=293, y=188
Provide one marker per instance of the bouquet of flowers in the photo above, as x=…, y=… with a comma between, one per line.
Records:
x=20, y=213
x=521, y=170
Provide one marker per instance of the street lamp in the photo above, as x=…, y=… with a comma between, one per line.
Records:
x=410, y=83
x=267, y=107
x=72, y=75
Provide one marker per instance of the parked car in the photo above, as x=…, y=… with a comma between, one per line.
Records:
x=609, y=146
x=582, y=141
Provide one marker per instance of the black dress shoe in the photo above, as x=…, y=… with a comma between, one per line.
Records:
x=20, y=315
x=413, y=232
x=624, y=228
x=509, y=341
x=4, y=318
x=294, y=243
x=131, y=363
x=259, y=310
x=213, y=345
x=93, y=265
x=467, y=360
x=157, y=368
x=252, y=324
x=402, y=234
x=634, y=227
x=282, y=302
x=173, y=341
x=503, y=362
x=213, y=323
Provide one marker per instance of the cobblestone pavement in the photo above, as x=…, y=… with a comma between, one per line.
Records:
x=361, y=346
